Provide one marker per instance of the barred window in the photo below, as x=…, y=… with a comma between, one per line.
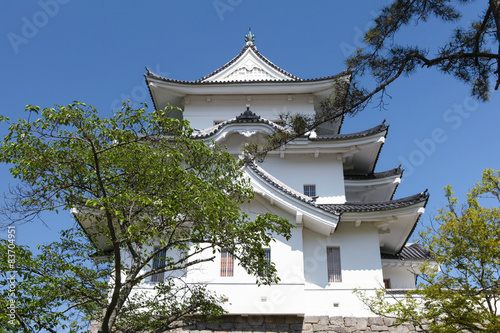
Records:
x=310, y=190
x=159, y=261
x=267, y=258
x=226, y=263
x=333, y=263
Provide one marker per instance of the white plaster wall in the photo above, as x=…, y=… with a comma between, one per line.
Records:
x=174, y=254
x=287, y=255
x=202, y=111
x=335, y=302
x=241, y=290
x=325, y=172
x=360, y=264
x=359, y=256
x=401, y=277
x=252, y=299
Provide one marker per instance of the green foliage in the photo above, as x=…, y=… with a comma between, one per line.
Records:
x=470, y=54
x=463, y=296
x=58, y=289
x=139, y=185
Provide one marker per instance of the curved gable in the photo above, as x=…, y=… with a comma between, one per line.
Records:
x=247, y=66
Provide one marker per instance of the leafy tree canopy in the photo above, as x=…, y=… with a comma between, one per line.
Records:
x=142, y=189
x=463, y=296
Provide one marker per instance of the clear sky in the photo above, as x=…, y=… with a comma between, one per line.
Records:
x=58, y=51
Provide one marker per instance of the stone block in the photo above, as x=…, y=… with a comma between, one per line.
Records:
x=297, y=327
x=272, y=327
x=226, y=326
x=241, y=326
x=213, y=326
x=376, y=321
x=283, y=327
x=362, y=323
x=320, y=328
x=377, y=328
x=399, y=329
x=351, y=330
x=338, y=329
x=293, y=320
x=280, y=319
x=350, y=321
x=389, y=322
x=410, y=326
x=311, y=319
x=255, y=320
x=307, y=327
x=337, y=320
x=324, y=320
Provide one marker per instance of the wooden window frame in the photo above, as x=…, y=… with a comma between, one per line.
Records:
x=159, y=261
x=226, y=263
x=334, y=266
x=310, y=190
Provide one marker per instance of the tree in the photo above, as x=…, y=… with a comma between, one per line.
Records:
x=145, y=192
x=471, y=54
x=464, y=295
x=468, y=54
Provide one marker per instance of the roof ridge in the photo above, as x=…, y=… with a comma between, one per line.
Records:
x=280, y=185
x=376, y=129
x=377, y=175
x=410, y=251
x=358, y=206
x=345, y=207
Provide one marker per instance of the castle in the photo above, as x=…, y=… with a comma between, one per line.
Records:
x=350, y=231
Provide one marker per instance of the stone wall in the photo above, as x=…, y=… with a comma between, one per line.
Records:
x=295, y=324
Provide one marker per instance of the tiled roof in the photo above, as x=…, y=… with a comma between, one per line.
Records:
x=198, y=82
x=341, y=208
x=249, y=117
x=411, y=251
x=281, y=186
x=377, y=206
x=378, y=175
x=292, y=79
x=377, y=129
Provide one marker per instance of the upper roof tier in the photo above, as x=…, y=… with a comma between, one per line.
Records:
x=249, y=66
x=249, y=73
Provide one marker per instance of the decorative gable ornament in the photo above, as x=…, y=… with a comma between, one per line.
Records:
x=249, y=65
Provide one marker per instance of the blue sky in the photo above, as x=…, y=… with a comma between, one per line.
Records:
x=58, y=51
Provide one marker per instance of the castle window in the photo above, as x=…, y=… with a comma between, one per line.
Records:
x=226, y=263
x=267, y=258
x=310, y=190
x=159, y=261
x=333, y=263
